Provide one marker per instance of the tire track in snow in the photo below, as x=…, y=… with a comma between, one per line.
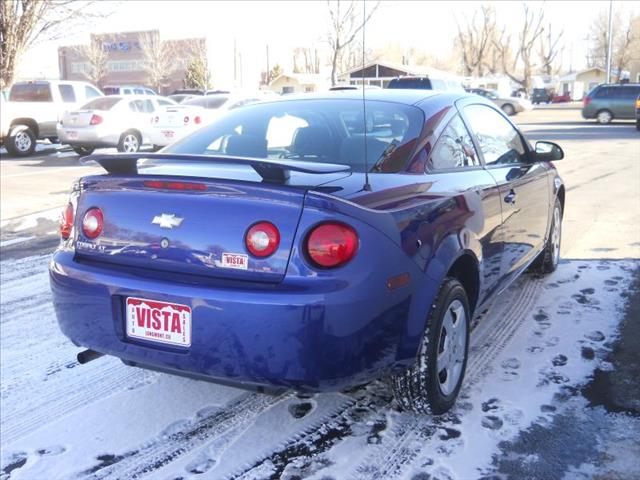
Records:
x=39, y=380
x=390, y=458
x=168, y=447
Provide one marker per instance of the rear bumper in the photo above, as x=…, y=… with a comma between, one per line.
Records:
x=322, y=336
x=162, y=136
x=87, y=136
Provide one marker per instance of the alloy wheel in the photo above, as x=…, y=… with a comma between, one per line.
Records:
x=452, y=347
x=556, y=235
x=23, y=141
x=130, y=143
x=604, y=117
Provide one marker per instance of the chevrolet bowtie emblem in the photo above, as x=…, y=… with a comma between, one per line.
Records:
x=167, y=220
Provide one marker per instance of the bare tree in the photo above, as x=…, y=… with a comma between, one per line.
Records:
x=346, y=23
x=306, y=60
x=475, y=40
x=95, y=56
x=550, y=47
x=625, y=41
x=25, y=22
x=159, y=60
x=527, y=38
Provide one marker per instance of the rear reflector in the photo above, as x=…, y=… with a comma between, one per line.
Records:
x=92, y=223
x=95, y=120
x=262, y=239
x=331, y=244
x=66, y=221
x=174, y=185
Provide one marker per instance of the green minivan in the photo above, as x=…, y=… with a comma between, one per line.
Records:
x=611, y=101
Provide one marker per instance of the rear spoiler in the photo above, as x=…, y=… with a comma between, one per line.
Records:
x=269, y=170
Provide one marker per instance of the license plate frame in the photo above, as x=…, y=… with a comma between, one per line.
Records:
x=171, y=329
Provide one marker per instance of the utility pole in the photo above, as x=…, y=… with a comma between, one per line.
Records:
x=267, y=75
x=609, y=38
x=235, y=65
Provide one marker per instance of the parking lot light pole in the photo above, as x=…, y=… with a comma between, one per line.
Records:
x=609, y=35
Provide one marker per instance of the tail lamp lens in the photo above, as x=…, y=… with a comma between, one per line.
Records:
x=92, y=223
x=262, y=239
x=586, y=101
x=331, y=245
x=95, y=120
x=66, y=221
x=197, y=120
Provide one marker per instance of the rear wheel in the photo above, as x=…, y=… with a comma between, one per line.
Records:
x=83, y=150
x=508, y=109
x=604, y=117
x=129, y=142
x=549, y=258
x=432, y=384
x=21, y=141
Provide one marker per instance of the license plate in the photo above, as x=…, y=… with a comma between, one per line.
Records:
x=72, y=134
x=162, y=322
x=168, y=133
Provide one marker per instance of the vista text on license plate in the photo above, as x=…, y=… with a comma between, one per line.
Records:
x=161, y=322
x=168, y=133
x=72, y=134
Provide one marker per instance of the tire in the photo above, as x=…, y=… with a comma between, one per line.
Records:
x=21, y=142
x=429, y=386
x=604, y=117
x=82, y=151
x=637, y=124
x=547, y=261
x=508, y=109
x=130, y=142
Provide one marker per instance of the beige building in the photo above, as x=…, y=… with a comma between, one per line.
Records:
x=298, y=83
x=578, y=84
x=380, y=73
x=125, y=59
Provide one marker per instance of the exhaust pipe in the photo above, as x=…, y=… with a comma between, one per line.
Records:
x=87, y=355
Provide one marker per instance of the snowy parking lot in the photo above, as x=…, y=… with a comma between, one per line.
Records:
x=551, y=391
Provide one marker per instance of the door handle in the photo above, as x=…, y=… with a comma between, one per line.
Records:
x=510, y=197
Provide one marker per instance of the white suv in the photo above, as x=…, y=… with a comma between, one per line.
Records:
x=34, y=108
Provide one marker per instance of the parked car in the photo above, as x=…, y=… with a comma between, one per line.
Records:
x=187, y=91
x=127, y=90
x=509, y=105
x=541, y=95
x=561, y=98
x=607, y=102
x=34, y=108
x=174, y=122
x=338, y=88
x=426, y=83
x=638, y=113
x=121, y=121
x=181, y=97
x=251, y=250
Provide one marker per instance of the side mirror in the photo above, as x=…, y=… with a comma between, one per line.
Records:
x=548, y=152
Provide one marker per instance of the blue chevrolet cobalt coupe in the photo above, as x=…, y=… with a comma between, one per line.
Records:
x=314, y=243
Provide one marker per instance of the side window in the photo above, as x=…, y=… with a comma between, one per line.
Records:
x=603, y=92
x=30, y=92
x=91, y=92
x=67, y=93
x=148, y=107
x=135, y=106
x=499, y=141
x=127, y=91
x=149, y=92
x=138, y=91
x=164, y=103
x=454, y=148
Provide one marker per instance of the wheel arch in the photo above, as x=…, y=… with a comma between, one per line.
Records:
x=27, y=122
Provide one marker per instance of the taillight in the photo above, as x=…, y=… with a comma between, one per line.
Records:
x=262, y=239
x=197, y=120
x=66, y=221
x=586, y=101
x=95, y=120
x=186, y=119
x=638, y=103
x=92, y=223
x=174, y=185
x=331, y=244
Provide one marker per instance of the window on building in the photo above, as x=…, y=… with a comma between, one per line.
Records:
x=499, y=141
x=454, y=148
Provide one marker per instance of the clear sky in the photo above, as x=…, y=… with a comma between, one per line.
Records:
x=284, y=25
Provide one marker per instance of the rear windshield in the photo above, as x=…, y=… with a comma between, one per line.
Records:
x=111, y=90
x=102, y=103
x=419, y=83
x=210, y=102
x=30, y=92
x=326, y=131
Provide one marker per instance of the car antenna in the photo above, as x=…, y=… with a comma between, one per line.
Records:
x=367, y=185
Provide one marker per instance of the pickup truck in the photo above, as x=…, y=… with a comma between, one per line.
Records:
x=34, y=108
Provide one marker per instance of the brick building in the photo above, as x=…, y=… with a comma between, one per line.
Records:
x=125, y=59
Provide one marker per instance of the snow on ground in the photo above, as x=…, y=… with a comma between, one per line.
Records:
x=531, y=351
